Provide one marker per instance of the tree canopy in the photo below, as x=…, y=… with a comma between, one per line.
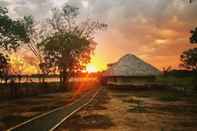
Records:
x=189, y=59
x=68, y=45
x=193, y=38
x=13, y=32
x=65, y=43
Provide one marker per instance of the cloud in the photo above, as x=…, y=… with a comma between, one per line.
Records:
x=4, y=3
x=157, y=30
x=142, y=23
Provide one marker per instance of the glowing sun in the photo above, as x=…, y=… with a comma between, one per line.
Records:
x=91, y=68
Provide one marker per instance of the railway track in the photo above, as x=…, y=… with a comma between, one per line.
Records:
x=49, y=121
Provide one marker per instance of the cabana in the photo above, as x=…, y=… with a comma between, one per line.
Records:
x=130, y=71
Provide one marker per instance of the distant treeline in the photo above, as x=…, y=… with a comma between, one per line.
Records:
x=35, y=76
x=55, y=75
x=182, y=73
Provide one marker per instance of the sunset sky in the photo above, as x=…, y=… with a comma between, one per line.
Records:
x=157, y=31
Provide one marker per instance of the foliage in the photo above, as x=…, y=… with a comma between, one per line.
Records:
x=68, y=45
x=189, y=59
x=193, y=38
x=36, y=35
x=170, y=97
x=13, y=32
x=66, y=51
x=181, y=73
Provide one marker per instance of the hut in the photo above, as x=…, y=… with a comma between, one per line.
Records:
x=130, y=70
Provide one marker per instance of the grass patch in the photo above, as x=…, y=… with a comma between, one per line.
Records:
x=169, y=98
x=177, y=109
x=133, y=99
x=138, y=105
x=178, y=81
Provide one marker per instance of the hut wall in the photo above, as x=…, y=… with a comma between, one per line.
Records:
x=141, y=80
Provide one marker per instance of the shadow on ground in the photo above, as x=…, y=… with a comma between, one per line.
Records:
x=11, y=120
x=93, y=121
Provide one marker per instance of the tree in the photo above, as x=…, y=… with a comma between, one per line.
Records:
x=166, y=70
x=13, y=32
x=68, y=47
x=4, y=67
x=189, y=59
x=36, y=35
x=193, y=38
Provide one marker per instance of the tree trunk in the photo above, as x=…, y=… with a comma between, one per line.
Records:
x=61, y=80
x=64, y=79
x=43, y=81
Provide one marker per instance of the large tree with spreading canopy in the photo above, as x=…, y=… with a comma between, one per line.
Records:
x=69, y=45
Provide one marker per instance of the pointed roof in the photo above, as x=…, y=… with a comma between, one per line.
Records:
x=131, y=65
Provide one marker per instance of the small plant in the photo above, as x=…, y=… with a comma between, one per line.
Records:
x=132, y=99
x=140, y=106
x=169, y=98
x=162, y=129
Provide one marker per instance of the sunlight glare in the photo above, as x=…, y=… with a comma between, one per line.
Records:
x=91, y=68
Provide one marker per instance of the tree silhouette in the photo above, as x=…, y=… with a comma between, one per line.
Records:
x=4, y=67
x=193, y=38
x=36, y=33
x=12, y=32
x=189, y=59
x=166, y=70
x=68, y=47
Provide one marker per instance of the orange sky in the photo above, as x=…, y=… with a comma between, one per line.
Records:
x=157, y=31
x=161, y=53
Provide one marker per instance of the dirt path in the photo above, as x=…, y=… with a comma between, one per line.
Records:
x=134, y=111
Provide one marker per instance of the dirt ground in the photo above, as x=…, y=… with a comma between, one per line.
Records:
x=138, y=110
x=13, y=112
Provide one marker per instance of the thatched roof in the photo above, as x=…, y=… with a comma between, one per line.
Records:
x=130, y=65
